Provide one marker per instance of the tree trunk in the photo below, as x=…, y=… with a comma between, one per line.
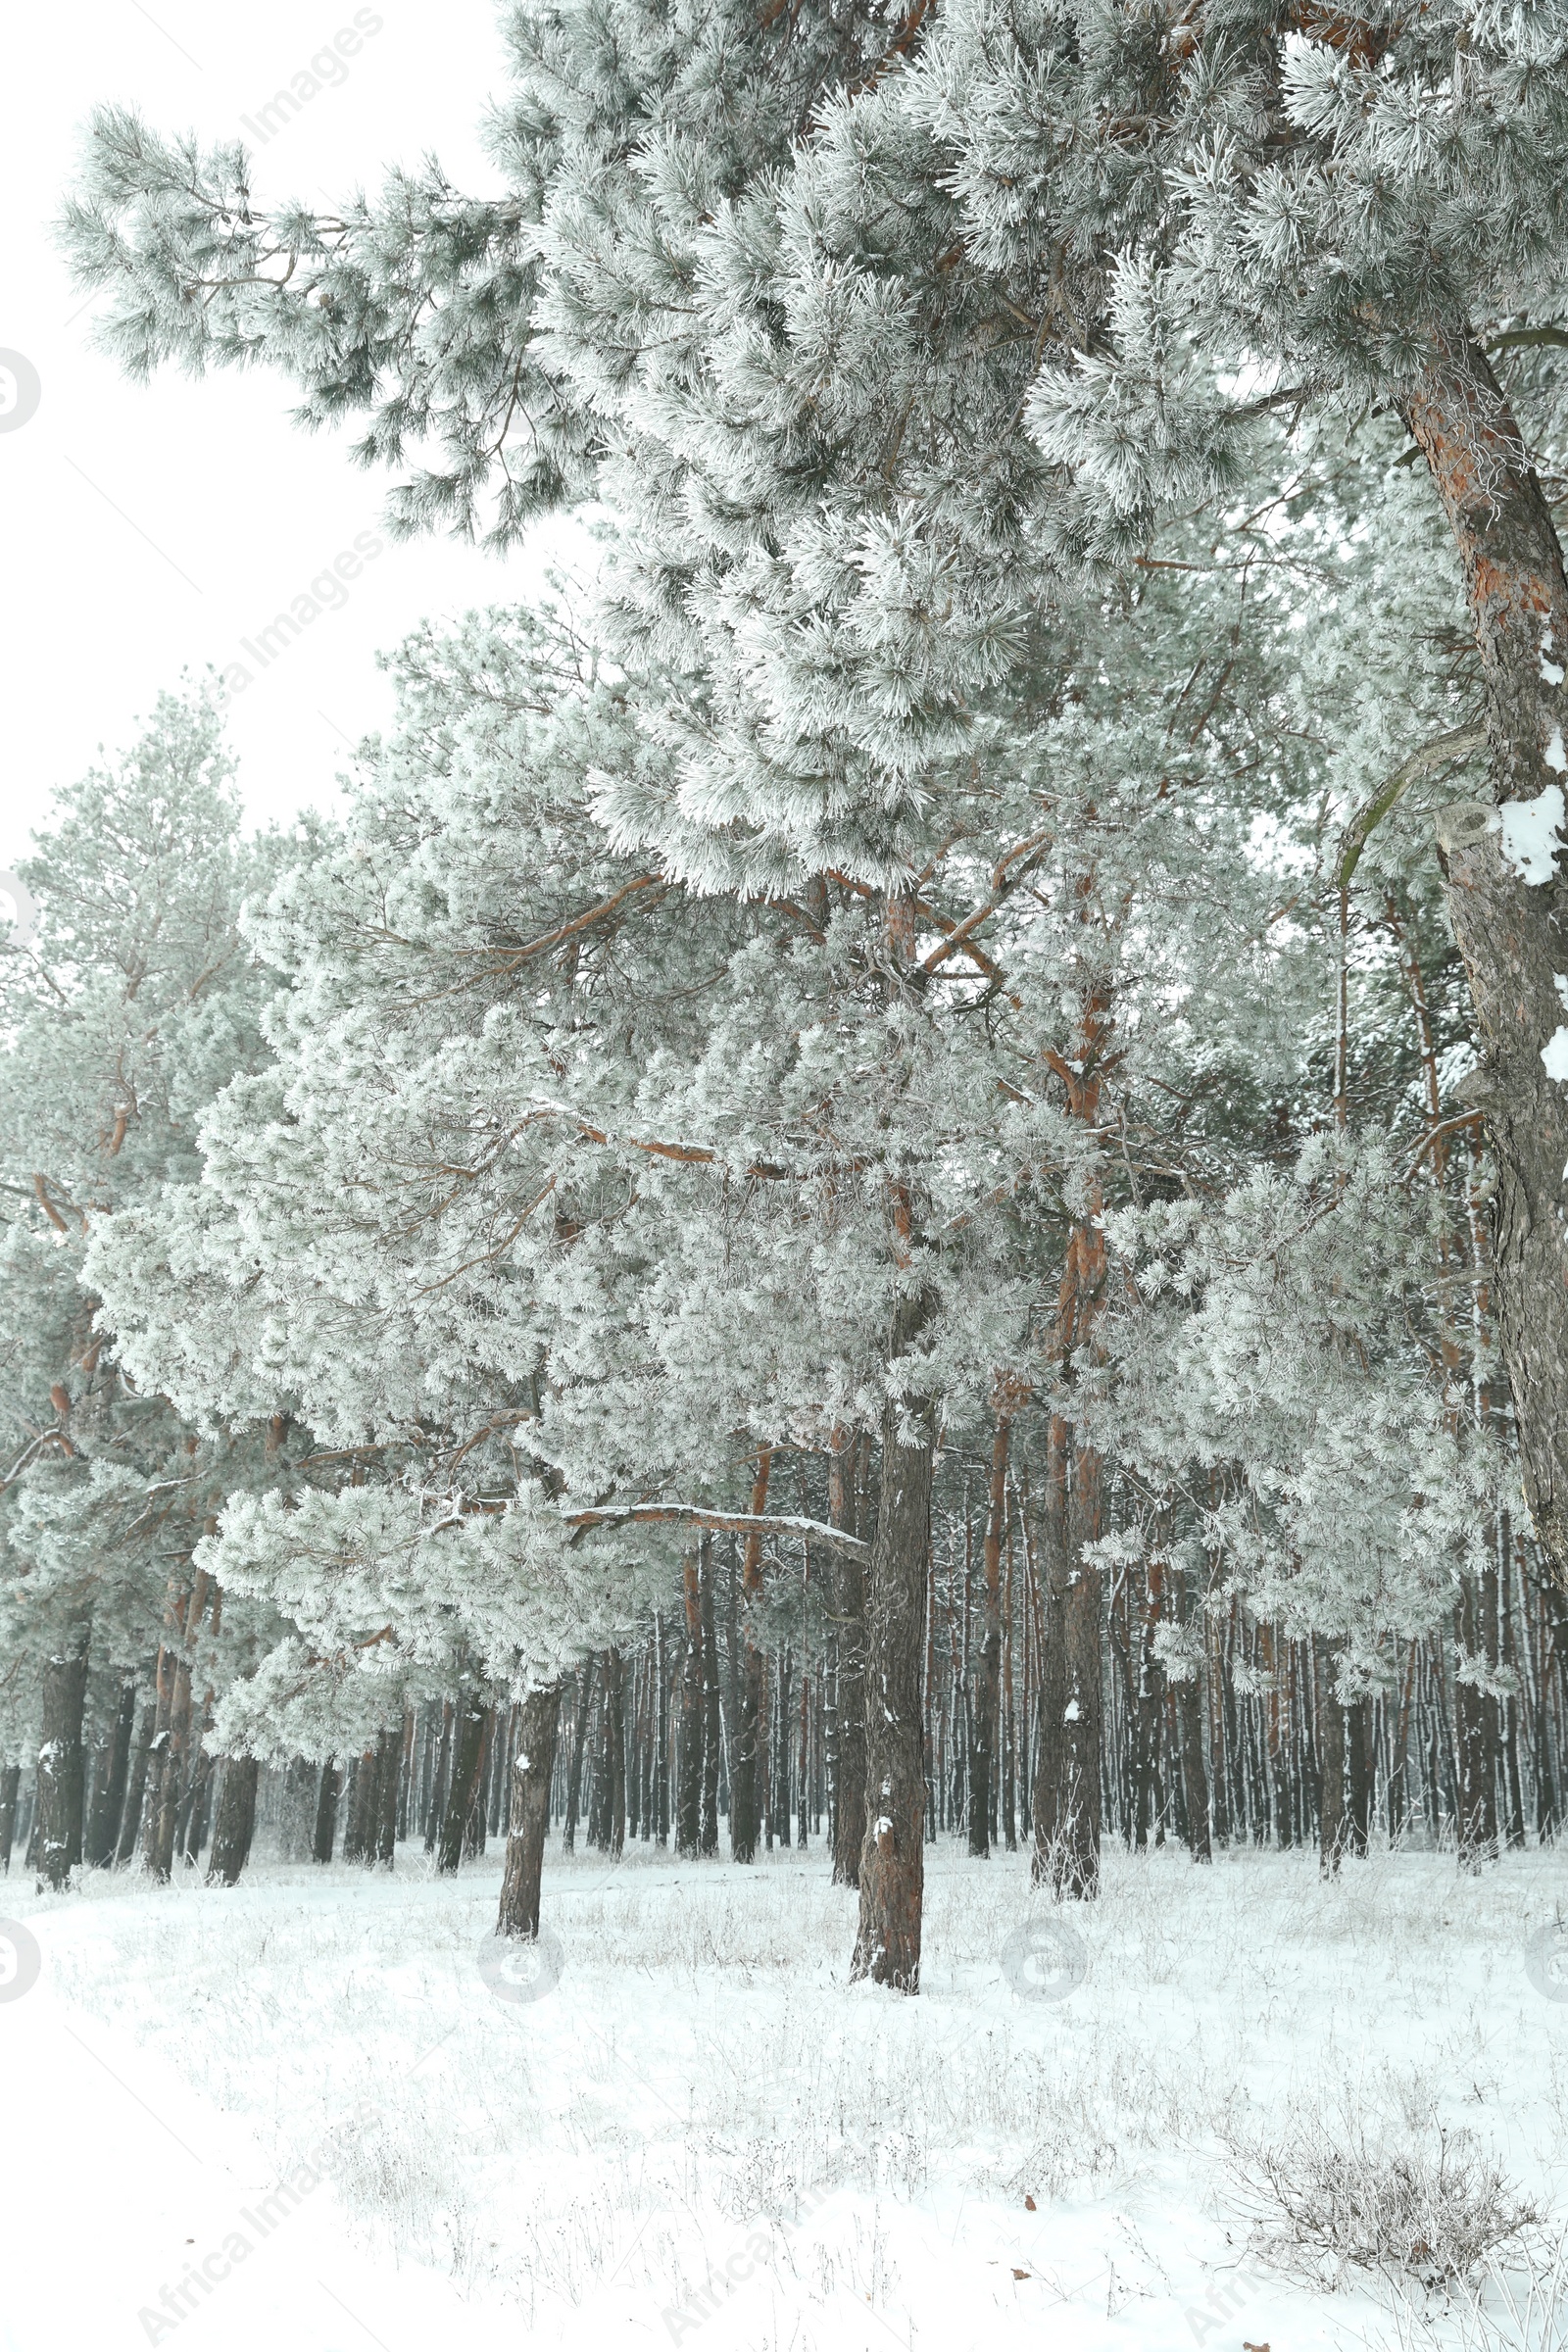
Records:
x=707, y=1826
x=182, y=1614
x=585, y=1691
x=1509, y=931
x=988, y=1682
x=886, y=1947
x=237, y=1821
x=9, y=1783
x=389, y=1754
x=326, y=1812
x=745, y=1797
x=533, y=1768
x=689, y=1779
x=109, y=1803
x=848, y=1626
x=1358, y=1785
x=615, y=1751
x=467, y=1756
x=1189, y=1695
x=1332, y=1827
x=61, y=1761
x=1066, y=1797
x=1475, y=1728
x=135, y=1796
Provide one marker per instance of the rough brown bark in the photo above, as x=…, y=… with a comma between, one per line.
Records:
x=1066, y=1792
x=887, y=1946
x=533, y=1767
x=62, y=1764
x=848, y=1634
x=1510, y=933
x=1067, y=1801
x=235, y=1825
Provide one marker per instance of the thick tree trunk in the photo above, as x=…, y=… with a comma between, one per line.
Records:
x=109, y=1803
x=1511, y=931
x=707, y=1827
x=326, y=1812
x=988, y=1682
x=467, y=1755
x=533, y=1768
x=585, y=1692
x=237, y=1821
x=886, y=1947
x=170, y=1746
x=1066, y=1798
x=61, y=1760
x=849, y=1632
x=689, y=1777
x=136, y=1793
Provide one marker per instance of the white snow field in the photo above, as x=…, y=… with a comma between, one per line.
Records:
x=705, y=2136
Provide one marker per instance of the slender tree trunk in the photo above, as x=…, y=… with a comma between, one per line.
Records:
x=1510, y=932
x=746, y=1791
x=1333, y=1820
x=614, y=1686
x=9, y=1783
x=1358, y=1789
x=467, y=1758
x=109, y=1803
x=849, y=1626
x=689, y=1771
x=886, y=1947
x=533, y=1766
x=135, y=1796
x=708, y=1828
x=237, y=1821
x=390, y=1750
x=1189, y=1697
x=579, y=1743
x=61, y=1760
x=988, y=1682
x=1475, y=1740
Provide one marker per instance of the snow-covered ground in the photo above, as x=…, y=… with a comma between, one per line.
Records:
x=705, y=2136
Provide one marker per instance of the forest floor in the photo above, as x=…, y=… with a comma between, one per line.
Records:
x=704, y=2135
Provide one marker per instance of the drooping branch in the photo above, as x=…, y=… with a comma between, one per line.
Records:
x=696, y=1514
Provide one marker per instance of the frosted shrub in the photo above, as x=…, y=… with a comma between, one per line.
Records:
x=1334, y=2197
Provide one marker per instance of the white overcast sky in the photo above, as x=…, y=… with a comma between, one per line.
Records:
x=147, y=530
